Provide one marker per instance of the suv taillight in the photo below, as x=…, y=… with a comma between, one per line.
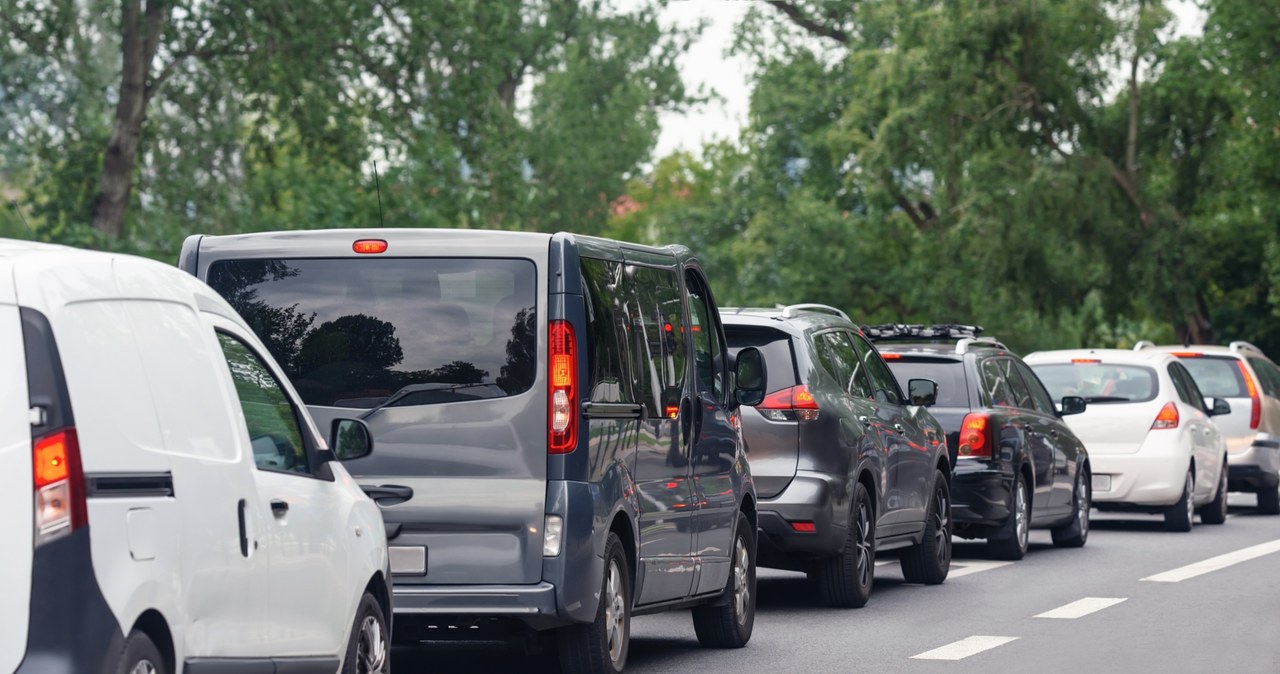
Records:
x=789, y=404
x=562, y=388
x=976, y=441
x=59, y=485
x=1167, y=418
x=1255, y=408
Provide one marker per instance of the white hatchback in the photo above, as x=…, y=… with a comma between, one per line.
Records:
x=168, y=503
x=1151, y=441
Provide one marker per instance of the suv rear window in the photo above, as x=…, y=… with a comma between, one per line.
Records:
x=1217, y=377
x=400, y=331
x=779, y=361
x=1099, y=382
x=953, y=390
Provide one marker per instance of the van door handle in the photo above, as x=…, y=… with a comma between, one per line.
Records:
x=244, y=534
x=388, y=494
x=866, y=420
x=278, y=507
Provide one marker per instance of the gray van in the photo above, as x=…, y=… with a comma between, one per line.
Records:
x=557, y=422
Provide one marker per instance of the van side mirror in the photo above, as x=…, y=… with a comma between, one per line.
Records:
x=922, y=392
x=1219, y=408
x=350, y=439
x=750, y=377
x=1072, y=405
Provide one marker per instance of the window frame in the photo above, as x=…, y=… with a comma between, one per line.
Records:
x=1039, y=394
x=870, y=356
x=696, y=285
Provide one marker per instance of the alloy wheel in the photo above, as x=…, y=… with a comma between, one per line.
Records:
x=615, y=613
x=1082, y=506
x=942, y=526
x=1021, y=530
x=741, y=580
x=1191, y=497
x=863, y=542
x=371, y=648
x=143, y=667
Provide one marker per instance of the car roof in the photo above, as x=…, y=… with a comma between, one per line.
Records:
x=949, y=350
x=1236, y=349
x=799, y=318
x=1116, y=356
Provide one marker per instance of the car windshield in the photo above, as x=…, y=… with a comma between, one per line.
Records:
x=1099, y=382
x=948, y=374
x=1217, y=377
x=363, y=333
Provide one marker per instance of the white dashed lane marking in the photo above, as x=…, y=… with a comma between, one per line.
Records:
x=1081, y=608
x=962, y=569
x=964, y=648
x=1215, y=563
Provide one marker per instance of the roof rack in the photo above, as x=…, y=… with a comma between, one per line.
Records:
x=965, y=335
x=1143, y=344
x=791, y=310
x=1241, y=345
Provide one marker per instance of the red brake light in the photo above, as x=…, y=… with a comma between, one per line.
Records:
x=975, y=437
x=369, y=246
x=1187, y=354
x=790, y=404
x=562, y=385
x=1086, y=360
x=59, y=484
x=804, y=527
x=1255, y=410
x=891, y=356
x=1167, y=418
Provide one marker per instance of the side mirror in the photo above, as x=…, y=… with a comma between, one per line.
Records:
x=922, y=392
x=350, y=439
x=750, y=377
x=1072, y=405
x=1219, y=408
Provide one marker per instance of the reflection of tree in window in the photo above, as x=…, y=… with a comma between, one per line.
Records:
x=281, y=328
x=522, y=358
x=269, y=417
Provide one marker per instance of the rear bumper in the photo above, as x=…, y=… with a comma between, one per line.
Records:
x=1155, y=476
x=531, y=604
x=810, y=497
x=980, y=493
x=1256, y=467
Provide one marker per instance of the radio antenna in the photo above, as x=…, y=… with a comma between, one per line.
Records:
x=13, y=203
x=378, y=186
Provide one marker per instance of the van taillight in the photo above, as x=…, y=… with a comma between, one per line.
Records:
x=59, y=484
x=975, y=437
x=1255, y=409
x=1167, y=418
x=562, y=384
x=789, y=404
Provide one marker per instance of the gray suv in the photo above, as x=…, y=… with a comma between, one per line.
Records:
x=845, y=464
x=556, y=416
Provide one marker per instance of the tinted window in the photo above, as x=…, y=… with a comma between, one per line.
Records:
x=1217, y=377
x=948, y=374
x=708, y=354
x=1268, y=375
x=995, y=385
x=884, y=386
x=1186, y=383
x=272, y=421
x=656, y=314
x=779, y=362
x=354, y=332
x=1021, y=394
x=1099, y=382
x=1039, y=396
x=838, y=358
x=607, y=338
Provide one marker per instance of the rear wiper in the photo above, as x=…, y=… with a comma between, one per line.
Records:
x=1107, y=399
x=417, y=388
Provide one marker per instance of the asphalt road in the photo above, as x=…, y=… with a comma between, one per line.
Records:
x=1135, y=599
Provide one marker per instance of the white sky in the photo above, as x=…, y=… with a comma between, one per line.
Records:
x=707, y=65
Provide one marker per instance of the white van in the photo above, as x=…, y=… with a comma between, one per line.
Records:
x=184, y=512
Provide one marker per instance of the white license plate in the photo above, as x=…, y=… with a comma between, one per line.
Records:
x=1102, y=483
x=408, y=560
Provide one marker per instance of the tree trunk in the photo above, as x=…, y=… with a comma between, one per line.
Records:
x=140, y=38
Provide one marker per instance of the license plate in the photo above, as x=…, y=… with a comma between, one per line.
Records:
x=1102, y=483
x=408, y=560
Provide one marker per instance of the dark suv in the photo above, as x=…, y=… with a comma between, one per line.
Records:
x=1018, y=466
x=844, y=464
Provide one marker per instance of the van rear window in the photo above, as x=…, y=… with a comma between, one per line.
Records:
x=391, y=331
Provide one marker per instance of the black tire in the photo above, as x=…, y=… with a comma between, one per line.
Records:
x=1076, y=533
x=1015, y=536
x=591, y=648
x=368, y=649
x=727, y=621
x=1215, y=511
x=1269, y=501
x=139, y=651
x=929, y=560
x=1181, y=515
x=845, y=580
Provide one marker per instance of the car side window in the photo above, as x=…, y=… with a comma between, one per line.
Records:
x=606, y=338
x=272, y=421
x=840, y=360
x=1039, y=396
x=1180, y=383
x=1192, y=389
x=994, y=384
x=708, y=351
x=883, y=384
x=1021, y=392
x=1268, y=375
x=656, y=314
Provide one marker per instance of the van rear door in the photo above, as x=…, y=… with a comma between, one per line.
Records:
x=16, y=483
x=436, y=344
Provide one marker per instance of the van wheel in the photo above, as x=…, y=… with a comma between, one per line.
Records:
x=1215, y=511
x=929, y=560
x=1181, y=515
x=601, y=645
x=1269, y=501
x=1016, y=533
x=728, y=620
x=1076, y=533
x=367, y=650
x=141, y=656
x=845, y=580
